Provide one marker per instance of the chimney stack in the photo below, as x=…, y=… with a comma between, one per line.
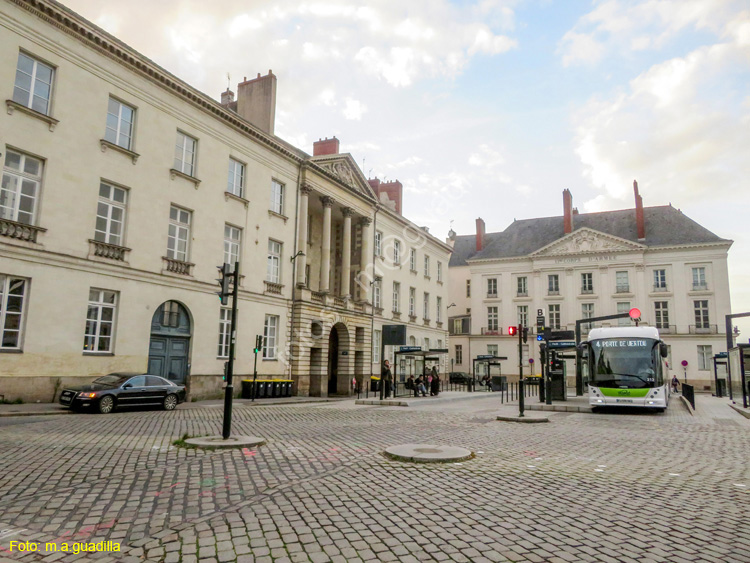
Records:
x=227, y=97
x=568, y=211
x=640, y=221
x=480, y=234
x=256, y=101
x=326, y=146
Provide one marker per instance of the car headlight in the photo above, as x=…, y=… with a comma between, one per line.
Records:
x=87, y=395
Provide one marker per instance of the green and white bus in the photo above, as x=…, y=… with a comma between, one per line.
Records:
x=626, y=368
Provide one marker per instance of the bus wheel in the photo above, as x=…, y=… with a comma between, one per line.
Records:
x=594, y=409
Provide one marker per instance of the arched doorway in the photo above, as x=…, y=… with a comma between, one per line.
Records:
x=169, y=347
x=338, y=360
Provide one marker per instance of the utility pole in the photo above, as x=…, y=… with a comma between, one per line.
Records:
x=226, y=276
x=521, y=332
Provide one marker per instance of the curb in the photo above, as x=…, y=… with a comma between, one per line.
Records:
x=740, y=410
x=41, y=413
x=526, y=420
x=407, y=402
x=687, y=404
x=558, y=408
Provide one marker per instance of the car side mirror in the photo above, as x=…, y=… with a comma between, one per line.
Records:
x=663, y=350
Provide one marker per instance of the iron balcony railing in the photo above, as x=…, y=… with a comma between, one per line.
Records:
x=703, y=329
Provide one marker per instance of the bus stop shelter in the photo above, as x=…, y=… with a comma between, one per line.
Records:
x=739, y=360
x=412, y=360
x=720, y=384
x=486, y=363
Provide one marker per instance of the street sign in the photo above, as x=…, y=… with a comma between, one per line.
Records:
x=559, y=334
x=485, y=356
x=410, y=349
x=562, y=344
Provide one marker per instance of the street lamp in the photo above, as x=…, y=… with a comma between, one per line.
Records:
x=300, y=253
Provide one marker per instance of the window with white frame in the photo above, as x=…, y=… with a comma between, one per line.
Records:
x=413, y=259
x=439, y=308
x=699, y=279
x=458, y=326
x=179, y=234
x=396, y=297
x=587, y=312
x=426, y=266
x=440, y=271
x=426, y=307
x=522, y=286
x=376, y=346
x=492, y=319
x=120, y=119
x=523, y=315
x=623, y=307
x=622, y=283
x=270, y=337
x=426, y=343
x=13, y=297
x=396, y=252
x=110, y=214
x=100, y=321
x=184, y=154
x=553, y=284
x=439, y=344
x=232, y=244
x=412, y=340
x=33, y=85
x=225, y=324
x=661, y=312
x=554, y=316
x=587, y=282
x=236, y=178
x=21, y=184
x=705, y=356
x=700, y=308
x=413, y=301
x=492, y=349
x=378, y=243
x=277, y=197
x=459, y=354
x=491, y=287
x=376, y=294
x=660, y=280
x=273, y=272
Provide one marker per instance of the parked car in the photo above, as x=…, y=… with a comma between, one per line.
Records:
x=117, y=390
x=459, y=377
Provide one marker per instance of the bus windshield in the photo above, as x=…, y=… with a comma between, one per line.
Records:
x=624, y=363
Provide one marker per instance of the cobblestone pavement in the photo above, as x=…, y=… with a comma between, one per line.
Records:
x=586, y=487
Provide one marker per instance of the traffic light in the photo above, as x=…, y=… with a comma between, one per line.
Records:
x=258, y=344
x=525, y=333
x=512, y=331
x=225, y=271
x=226, y=370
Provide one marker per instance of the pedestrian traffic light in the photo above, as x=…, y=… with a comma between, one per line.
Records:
x=525, y=333
x=225, y=271
x=258, y=344
x=511, y=331
x=226, y=370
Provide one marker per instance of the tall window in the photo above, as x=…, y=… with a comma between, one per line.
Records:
x=232, y=244
x=170, y=314
x=623, y=307
x=622, y=283
x=33, y=86
x=426, y=266
x=587, y=312
x=440, y=271
x=376, y=294
x=376, y=347
x=378, y=243
x=179, y=234
x=396, y=297
x=413, y=259
x=701, y=313
x=459, y=354
x=523, y=315
x=439, y=307
x=413, y=301
x=273, y=273
x=100, y=321
x=554, y=316
x=661, y=312
x=492, y=319
x=492, y=349
x=587, y=283
x=468, y=288
x=660, y=280
x=457, y=326
x=553, y=284
x=491, y=287
x=277, y=197
x=13, y=292
x=705, y=354
x=120, y=118
x=396, y=252
x=270, y=340
x=184, y=154
x=440, y=344
x=426, y=343
x=426, y=307
x=225, y=324
x=699, y=278
x=19, y=191
x=523, y=286
x=110, y=214
x=236, y=178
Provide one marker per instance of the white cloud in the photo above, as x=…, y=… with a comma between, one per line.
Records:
x=354, y=109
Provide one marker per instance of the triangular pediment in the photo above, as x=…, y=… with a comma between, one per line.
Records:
x=344, y=168
x=588, y=241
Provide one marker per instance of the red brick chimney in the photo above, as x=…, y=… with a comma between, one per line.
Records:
x=256, y=101
x=480, y=234
x=640, y=221
x=395, y=192
x=568, y=211
x=326, y=146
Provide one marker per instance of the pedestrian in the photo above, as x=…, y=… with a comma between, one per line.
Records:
x=429, y=381
x=435, y=384
x=486, y=381
x=420, y=387
x=386, y=377
x=675, y=384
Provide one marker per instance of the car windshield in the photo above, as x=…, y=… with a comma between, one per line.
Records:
x=112, y=379
x=623, y=362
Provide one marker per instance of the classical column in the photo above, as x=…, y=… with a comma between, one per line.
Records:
x=346, y=251
x=366, y=256
x=304, y=193
x=325, y=257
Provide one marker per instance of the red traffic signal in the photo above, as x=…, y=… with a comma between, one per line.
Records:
x=512, y=331
x=635, y=313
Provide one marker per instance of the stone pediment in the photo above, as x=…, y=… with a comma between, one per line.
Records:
x=586, y=241
x=344, y=169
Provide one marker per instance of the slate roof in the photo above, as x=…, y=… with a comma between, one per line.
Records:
x=665, y=226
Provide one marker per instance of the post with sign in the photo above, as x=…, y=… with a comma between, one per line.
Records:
x=520, y=331
x=229, y=390
x=258, y=347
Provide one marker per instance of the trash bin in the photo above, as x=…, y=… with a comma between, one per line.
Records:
x=247, y=389
x=275, y=389
x=470, y=384
x=260, y=389
x=374, y=385
x=499, y=383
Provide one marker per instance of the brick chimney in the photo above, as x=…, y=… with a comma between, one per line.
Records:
x=568, y=211
x=480, y=234
x=394, y=190
x=640, y=221
x=256, y=101
x=326, y=146
x=227, y=97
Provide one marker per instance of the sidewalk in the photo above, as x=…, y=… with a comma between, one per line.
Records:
x=444, y=397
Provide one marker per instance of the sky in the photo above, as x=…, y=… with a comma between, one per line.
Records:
x=492, y=107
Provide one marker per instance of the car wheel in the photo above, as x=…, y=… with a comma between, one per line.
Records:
x=170, y=402
x=106, y=404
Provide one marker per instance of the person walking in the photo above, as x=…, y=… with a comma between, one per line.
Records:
x=675, y=384
x=386, y=378
x=435, y=383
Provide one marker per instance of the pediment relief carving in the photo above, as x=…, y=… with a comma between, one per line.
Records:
x=586, y=241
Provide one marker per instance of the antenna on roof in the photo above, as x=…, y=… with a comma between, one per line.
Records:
x=363, y=163
x=229, y=81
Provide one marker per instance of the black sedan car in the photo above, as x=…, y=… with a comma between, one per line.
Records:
x=459, y=377
x=124, y=390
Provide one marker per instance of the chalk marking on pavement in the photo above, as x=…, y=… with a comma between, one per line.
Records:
x=674, y=474
x=740, y=485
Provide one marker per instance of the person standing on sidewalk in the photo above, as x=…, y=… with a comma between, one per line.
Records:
x=435, y=383
x=386, y=378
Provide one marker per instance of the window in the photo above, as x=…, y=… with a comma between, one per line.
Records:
x=396, y=297
x=100, y=321
x=468, y=288
x=705, y=355
x=13, y=292
x=426, y=306
x=427, y=266
x=170, y=314
x=439, y=317
x=491, y=287
x=523, y=286
x=236, y=179
x=110, y=214
x=660, y=280
x=426, y=343
x=587, y=312
x=376, y=347
x=623, y=307
x=270, y=336
x=457, y=326
x=413, y=301
x=554, y=316
x=179, y=234
x=19, y=191
x=701, y=313
x=587, y=283
x=440, y=272
x=413, y=259
x=184, y=154
x=120, y=118
x=378, y=243
x=661, y=312
x=232, y=242
x=273, y=273
x=277, y=197
x=225, y=324
x=376, y=294
x=33, y=86
x=439, y=344
x=699, y=279
x=396, y=252
x=459, y=354
x=492, y=349
x=622, y=283
x=523, y=315
x=492, y=319
x=553, y=284
x=412, y=340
